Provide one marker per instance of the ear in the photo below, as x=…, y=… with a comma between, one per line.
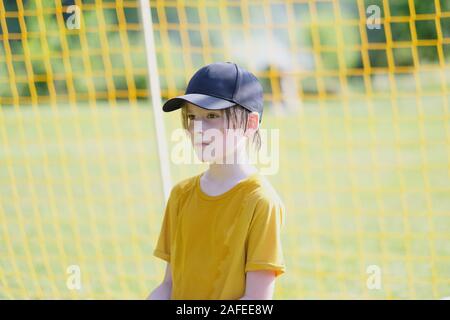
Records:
x=252, y=123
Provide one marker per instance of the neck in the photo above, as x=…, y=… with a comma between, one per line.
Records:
x=241, y=168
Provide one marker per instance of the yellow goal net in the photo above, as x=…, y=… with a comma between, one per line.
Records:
x=358, y=90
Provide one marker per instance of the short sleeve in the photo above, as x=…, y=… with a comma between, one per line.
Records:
x=168, y=226
x=264, y=249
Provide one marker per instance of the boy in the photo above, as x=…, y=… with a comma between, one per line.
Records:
x=220, y=234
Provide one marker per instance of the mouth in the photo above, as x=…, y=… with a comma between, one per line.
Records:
x=203, y=144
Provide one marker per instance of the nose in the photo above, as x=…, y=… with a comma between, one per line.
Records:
x=197, y=129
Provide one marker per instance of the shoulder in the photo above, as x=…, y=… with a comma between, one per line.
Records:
x=263, y=193
x=184, y=186
x=263, y=201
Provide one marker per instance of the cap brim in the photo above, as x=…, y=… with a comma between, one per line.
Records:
x=201, y=100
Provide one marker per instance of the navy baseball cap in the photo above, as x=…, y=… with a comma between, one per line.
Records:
x=221, y=85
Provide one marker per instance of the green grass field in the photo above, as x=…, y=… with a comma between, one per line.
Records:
x=364, y=184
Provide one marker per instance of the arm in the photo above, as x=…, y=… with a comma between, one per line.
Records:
x=164, y=290
x=259, y=285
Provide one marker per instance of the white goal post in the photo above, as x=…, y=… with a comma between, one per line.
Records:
x=155, y=91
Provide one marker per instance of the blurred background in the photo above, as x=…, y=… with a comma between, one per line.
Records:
x=363, y=114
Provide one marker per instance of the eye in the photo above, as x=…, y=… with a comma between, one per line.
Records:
x=191, y=116
x=212, y=116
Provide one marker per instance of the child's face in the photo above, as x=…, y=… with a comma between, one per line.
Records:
x=211, y=140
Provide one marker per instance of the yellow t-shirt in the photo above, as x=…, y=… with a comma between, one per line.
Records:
x=211, y=241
